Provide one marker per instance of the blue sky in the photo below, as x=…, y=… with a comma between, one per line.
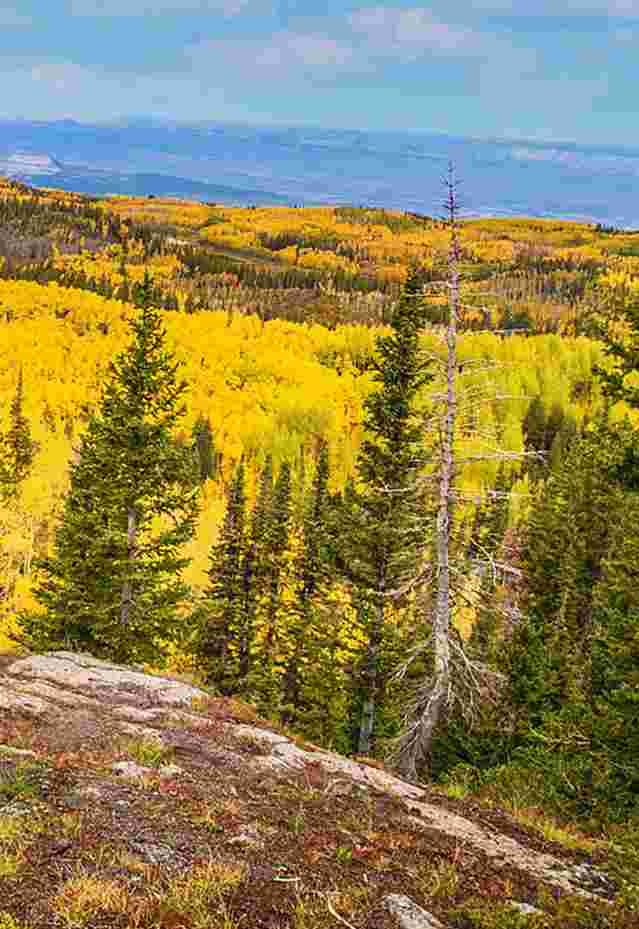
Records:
x=541, y=69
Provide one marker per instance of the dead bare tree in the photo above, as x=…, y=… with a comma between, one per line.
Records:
x=455, y=678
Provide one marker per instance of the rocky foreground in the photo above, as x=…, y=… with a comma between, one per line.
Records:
x=128, y=799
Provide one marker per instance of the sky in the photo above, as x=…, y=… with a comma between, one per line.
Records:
x=557, y=70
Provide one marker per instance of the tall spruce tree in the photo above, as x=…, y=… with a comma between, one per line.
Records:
x=568, y=537
x=272, y=570
x=614, y=705
x=204, y=448
x=113, y=584
x=385, y=536
x=19, y=447
x=618, y=328
x=311, y=578
x=253, y=568
x=219, y=642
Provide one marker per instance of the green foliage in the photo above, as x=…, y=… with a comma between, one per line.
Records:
x=22, y=783
x=618, y=328
x=311, y=682
x=572, y=659
x=18, y=446
x=222, y=632
x=561, y=912
x=568, y=535
x=547, y=437
x=386, y=512
x=264, y=677
x=204, y=447
x=113, y=584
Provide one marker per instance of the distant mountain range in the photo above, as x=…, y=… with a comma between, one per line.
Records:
x=235, y=164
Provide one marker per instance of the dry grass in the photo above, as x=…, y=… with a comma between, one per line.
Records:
x=84, y=896
x=229, y=844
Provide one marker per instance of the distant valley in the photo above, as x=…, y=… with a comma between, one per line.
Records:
x=246, y=165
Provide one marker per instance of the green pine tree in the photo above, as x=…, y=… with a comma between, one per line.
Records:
x=311, y=580
x=204, y=449
x=253, y=562
x=567, y=539
x=621, y=345
x=220, y=640
x=613, y=711
x=272, y=571
x=113, y=583
x=385, y=532
x=19, y=448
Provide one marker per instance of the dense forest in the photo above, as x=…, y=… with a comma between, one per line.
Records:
x=376, y=473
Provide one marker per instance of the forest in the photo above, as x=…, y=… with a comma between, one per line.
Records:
x=375, y=473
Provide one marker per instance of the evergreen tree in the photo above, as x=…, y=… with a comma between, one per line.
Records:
x=547, y=437
x=573, y=658
x=219, y=642
x=311, y=572
x=113, y=584
x=614, y=705
x=618, y=328
x=19, y=447
x=265, y=683
x=204, y=448
x=386, y=529
x=567, y=539
x=490, y=524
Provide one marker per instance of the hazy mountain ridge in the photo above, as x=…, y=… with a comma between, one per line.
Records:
x=252, y=164
x=25, y=164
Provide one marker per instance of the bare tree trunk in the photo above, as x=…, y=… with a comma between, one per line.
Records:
x=432, y=697
x=127, y=587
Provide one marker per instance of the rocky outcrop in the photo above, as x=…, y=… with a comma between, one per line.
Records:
x=78, y=696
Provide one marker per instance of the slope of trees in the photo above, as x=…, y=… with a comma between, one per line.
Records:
x=112, y=585
x=267, y=522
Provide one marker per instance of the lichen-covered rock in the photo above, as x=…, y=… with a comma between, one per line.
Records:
x=131, y=769
x=409, y=914
x=526, y=909
x=80, y=671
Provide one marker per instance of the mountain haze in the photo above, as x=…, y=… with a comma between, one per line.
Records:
x=242, y=165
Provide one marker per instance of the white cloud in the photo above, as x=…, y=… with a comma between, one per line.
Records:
x=65, y=89
x=307, y=50
x=119, y=8
x=361, y=43
x=555, y=8
x=404, y=32
x=624, y=35
x=9, y=16
x=281, y=56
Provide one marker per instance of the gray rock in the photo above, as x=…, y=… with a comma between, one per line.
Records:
x=154, y=853
x=249, y=836
x=526, y=908
x=79, y=671
x=170, y=770
x=27, y=704
x=592, y=877
x=409, y=914
x=131, y=769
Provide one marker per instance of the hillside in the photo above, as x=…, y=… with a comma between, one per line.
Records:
x=139, y=801
x=231, y=443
